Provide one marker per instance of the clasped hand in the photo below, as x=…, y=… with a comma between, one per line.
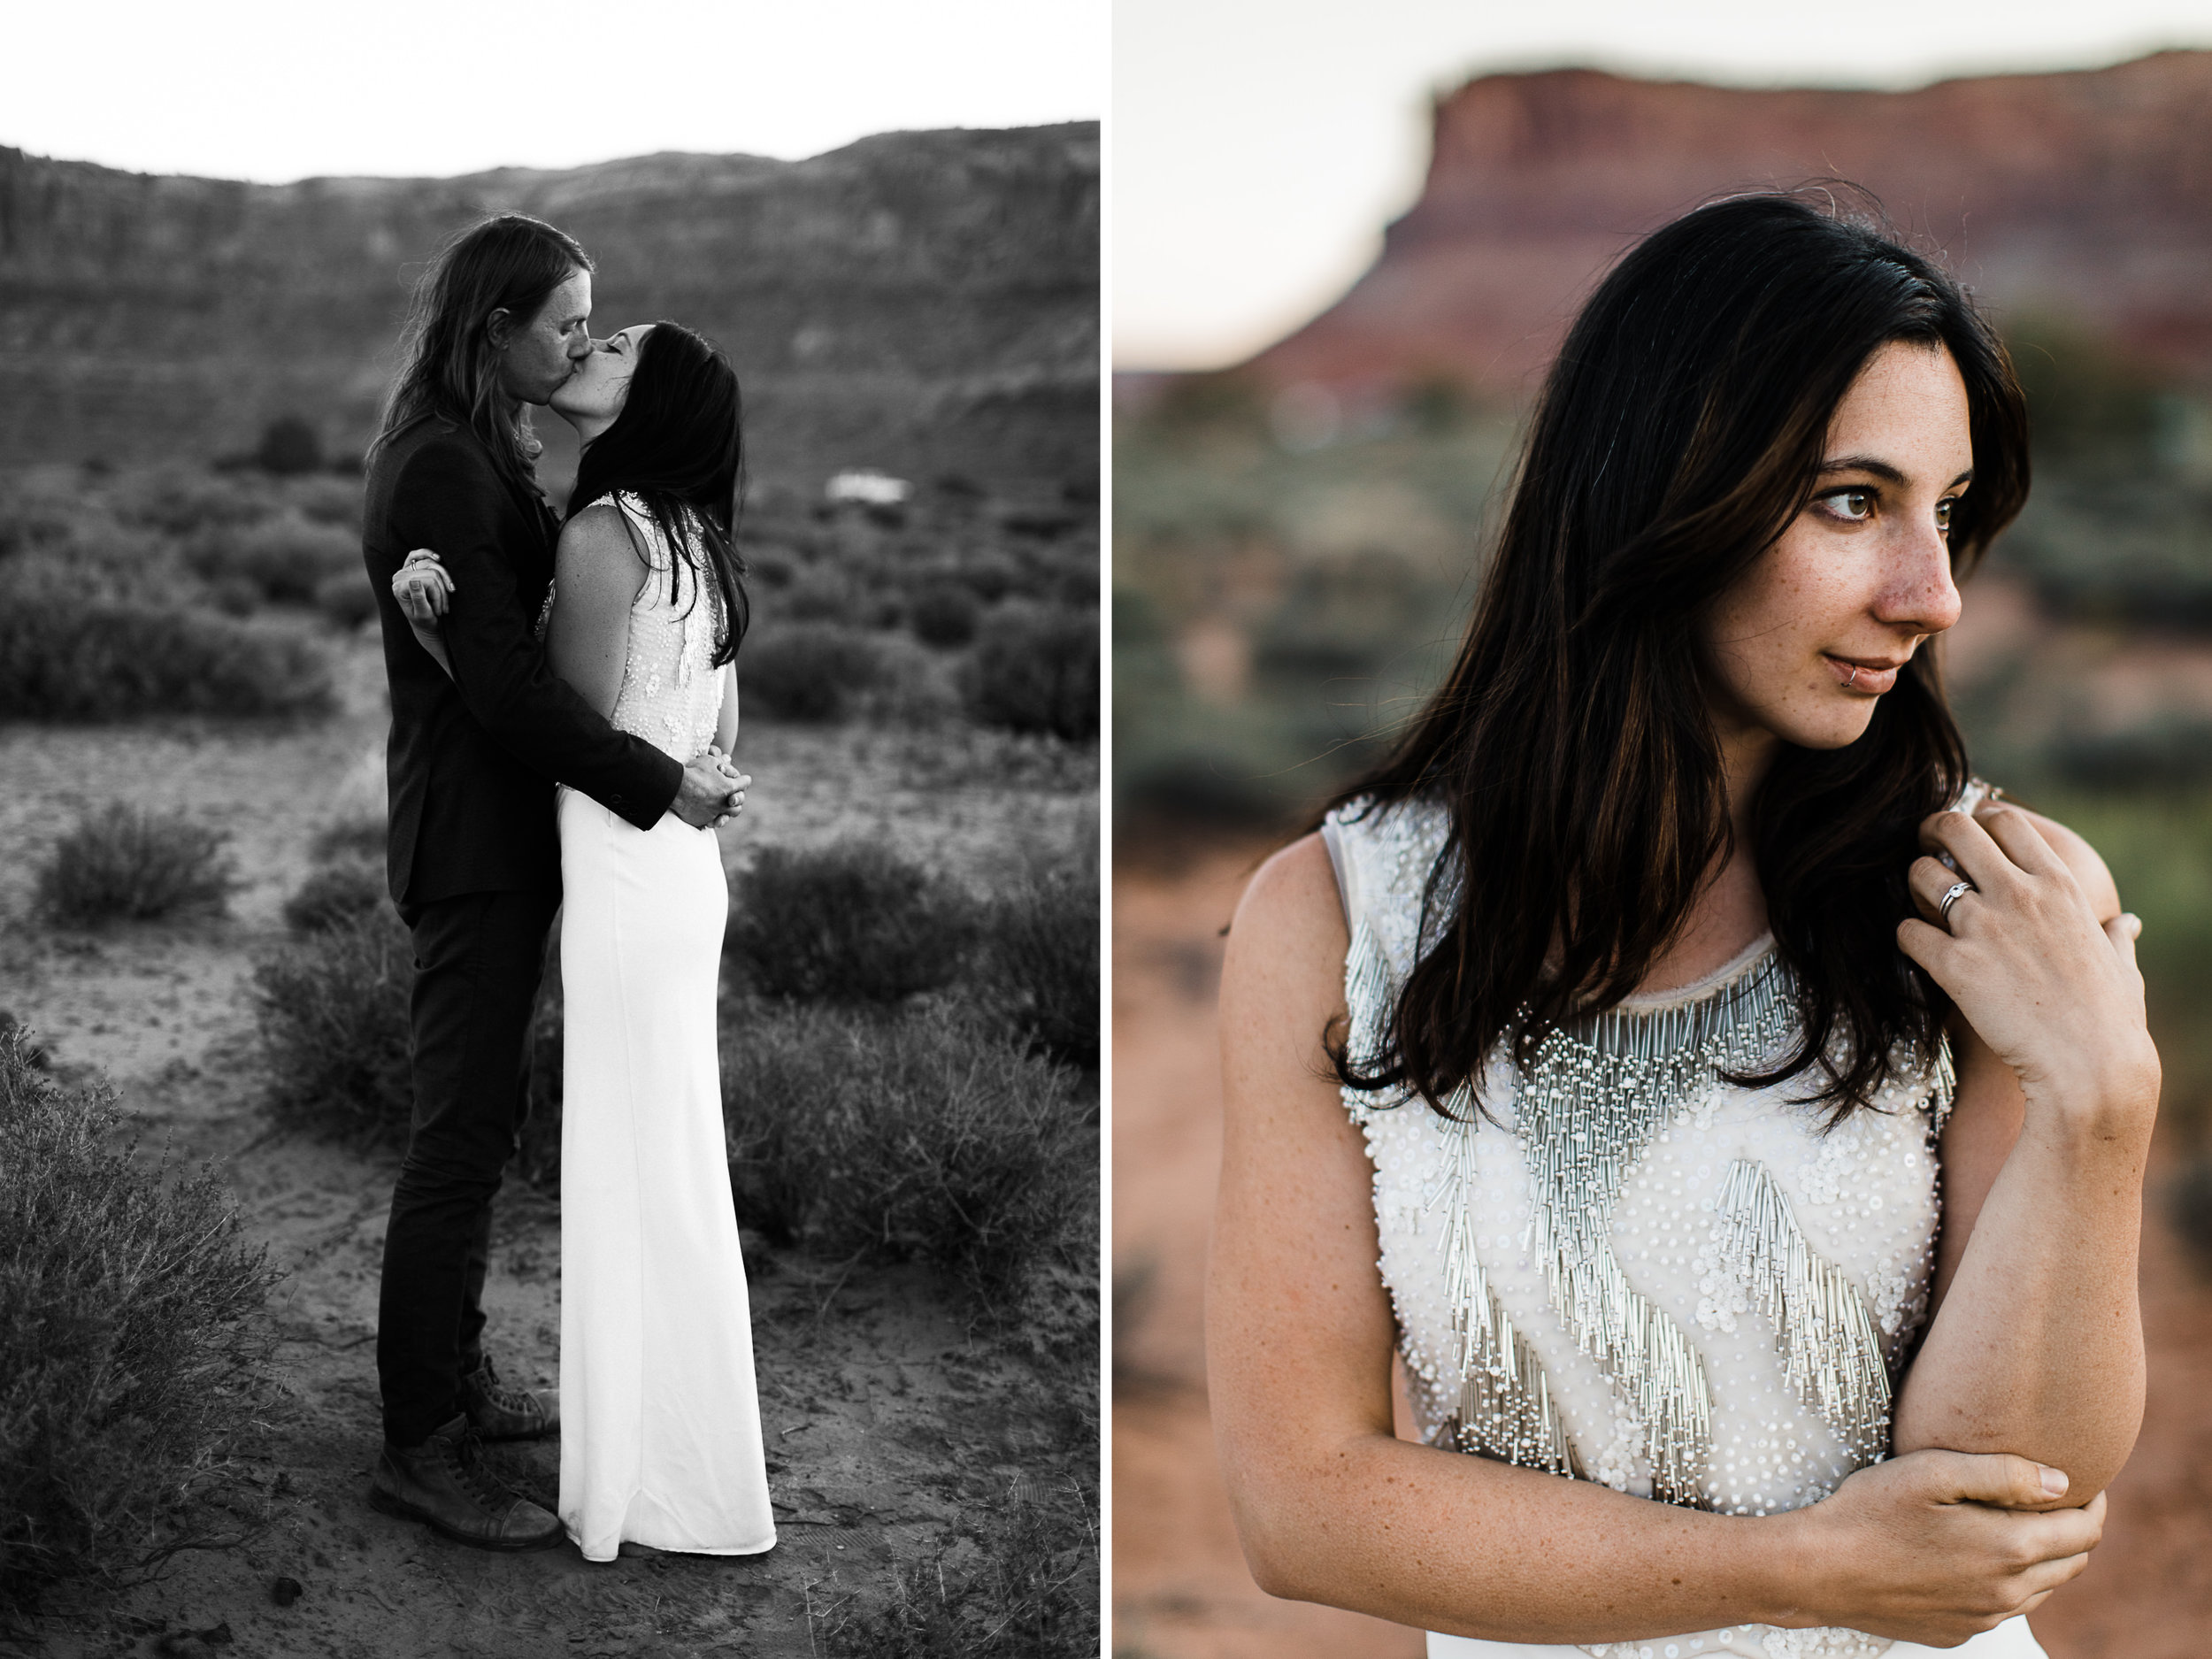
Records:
x=2054, y=993
x=423, y=588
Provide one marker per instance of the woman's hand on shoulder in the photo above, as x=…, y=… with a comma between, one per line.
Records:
x=2041, y=960
x=423, y=588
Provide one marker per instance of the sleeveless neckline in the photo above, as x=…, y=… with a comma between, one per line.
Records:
x=1696, y=990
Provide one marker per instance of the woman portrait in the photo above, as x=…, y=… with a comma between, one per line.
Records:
x=1729, y=1112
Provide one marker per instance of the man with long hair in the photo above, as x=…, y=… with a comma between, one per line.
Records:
x=499, y=320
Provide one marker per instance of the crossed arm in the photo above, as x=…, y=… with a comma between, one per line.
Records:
x=1932, y=1546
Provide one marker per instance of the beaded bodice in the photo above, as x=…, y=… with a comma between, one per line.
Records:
x=672, y=693
x=1630, y=1271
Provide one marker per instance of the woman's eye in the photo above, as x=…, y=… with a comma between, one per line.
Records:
x=1943, y=516
x=1853, y=506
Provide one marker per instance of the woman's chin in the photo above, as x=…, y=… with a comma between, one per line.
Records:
x=573, y=417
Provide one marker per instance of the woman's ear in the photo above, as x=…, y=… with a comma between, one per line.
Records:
x=496, y=327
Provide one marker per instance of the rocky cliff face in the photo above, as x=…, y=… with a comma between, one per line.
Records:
x=920, y=301
x=2083, y=196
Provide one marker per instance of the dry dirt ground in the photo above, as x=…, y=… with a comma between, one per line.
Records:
x=1180, y=1589
x=893, y=1418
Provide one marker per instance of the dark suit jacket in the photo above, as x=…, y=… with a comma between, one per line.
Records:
x=472, y=765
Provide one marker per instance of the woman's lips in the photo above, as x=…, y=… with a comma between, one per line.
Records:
x=1863, y=676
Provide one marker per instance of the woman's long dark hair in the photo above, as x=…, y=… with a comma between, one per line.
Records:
x=1678, y=435
x=511, y=262
x=679, y=446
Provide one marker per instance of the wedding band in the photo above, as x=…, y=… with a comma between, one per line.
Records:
x=1956, y=891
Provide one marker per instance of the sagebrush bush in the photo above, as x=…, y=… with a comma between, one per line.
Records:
x=346, y=598
x=1040, y=955
x=361, y=837
x=288, y=558
x=943, y=614
x=132, y=1341
x=1036, y=670
x=332, y=1013
x=921, y=1135
x=335, y=894
x=806, y=670
x=184, y=500
x=64, y=658
x=852, y=922
x=123, y=863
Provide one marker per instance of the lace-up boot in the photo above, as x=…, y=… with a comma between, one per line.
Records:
x=445, y=1483
x=498, y=1412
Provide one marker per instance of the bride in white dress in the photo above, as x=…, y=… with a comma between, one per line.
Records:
x=1600, y=1056
x=660, y=1438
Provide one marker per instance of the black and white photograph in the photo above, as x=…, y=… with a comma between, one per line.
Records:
x=549, y=832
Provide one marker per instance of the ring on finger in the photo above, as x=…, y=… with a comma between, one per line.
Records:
x=1951, y=894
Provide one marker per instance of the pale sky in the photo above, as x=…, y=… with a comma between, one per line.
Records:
x=281, y=89
x=1260, y=145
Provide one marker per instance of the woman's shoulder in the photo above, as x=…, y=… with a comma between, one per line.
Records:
x=1291, y=899
x=602, y=530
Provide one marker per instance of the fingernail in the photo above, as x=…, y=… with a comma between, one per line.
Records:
x=2055, y=1482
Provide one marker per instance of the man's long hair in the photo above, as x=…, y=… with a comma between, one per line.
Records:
x=1679, y=434
x=511, y=262
x=679, y=446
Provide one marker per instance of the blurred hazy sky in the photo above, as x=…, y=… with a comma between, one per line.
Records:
x=1260, y=145
x=282, y=89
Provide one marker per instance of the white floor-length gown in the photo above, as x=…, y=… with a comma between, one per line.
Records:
x=660, y=1431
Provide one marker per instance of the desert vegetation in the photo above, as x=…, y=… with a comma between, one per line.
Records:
x=133, y=1345
x=909, y=1015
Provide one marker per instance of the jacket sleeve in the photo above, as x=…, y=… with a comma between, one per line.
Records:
x=450, y=501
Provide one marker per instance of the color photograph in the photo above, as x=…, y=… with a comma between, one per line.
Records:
x=1662, y=857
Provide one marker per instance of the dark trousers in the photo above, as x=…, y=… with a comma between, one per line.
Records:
x=478, y=959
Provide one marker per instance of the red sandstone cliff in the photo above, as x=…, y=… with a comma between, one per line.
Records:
x=2088, y=195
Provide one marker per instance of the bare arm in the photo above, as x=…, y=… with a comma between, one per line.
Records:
x=726, y=723
x=597, y=572
x=1332, y=1508
x=2037, y=1343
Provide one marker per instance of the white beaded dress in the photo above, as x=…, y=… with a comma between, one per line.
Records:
x=660, y=1431
x=1633, y=1272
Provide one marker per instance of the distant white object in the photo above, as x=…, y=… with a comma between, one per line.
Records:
x=878, y=489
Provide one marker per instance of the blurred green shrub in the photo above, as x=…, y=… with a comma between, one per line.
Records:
x=133, y=1346
x=806, y=670
x=68, y=658
x=849, y=923
x=125, y=864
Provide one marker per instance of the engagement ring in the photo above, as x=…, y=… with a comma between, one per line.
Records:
x=1957, y=890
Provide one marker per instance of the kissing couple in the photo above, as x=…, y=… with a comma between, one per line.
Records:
x=563, y=706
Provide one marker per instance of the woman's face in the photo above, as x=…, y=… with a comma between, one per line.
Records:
x=591, y=398
x=1816, y=629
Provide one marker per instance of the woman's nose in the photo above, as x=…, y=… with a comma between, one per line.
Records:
x=1922, y=589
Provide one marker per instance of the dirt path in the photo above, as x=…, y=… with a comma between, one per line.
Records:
x=1180, y=1588
x=893, y=1421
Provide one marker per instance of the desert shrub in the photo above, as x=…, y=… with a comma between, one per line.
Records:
x=335, y=894
x=183, y=501
x=123, y=863
x=327, y=499
x=288, y=559
x=1032, y=1593
x=819, y=593
x=943, y=615
x=990, y=579
x=849, y=923
x=289, y=445
x=346, y=598
x=66, y=658
x=331, y=1010
x=1037, y=670
x=806, y=670
x=361, y=837
x=131, y=1346
x=916, y=1136
x=1041, y=956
